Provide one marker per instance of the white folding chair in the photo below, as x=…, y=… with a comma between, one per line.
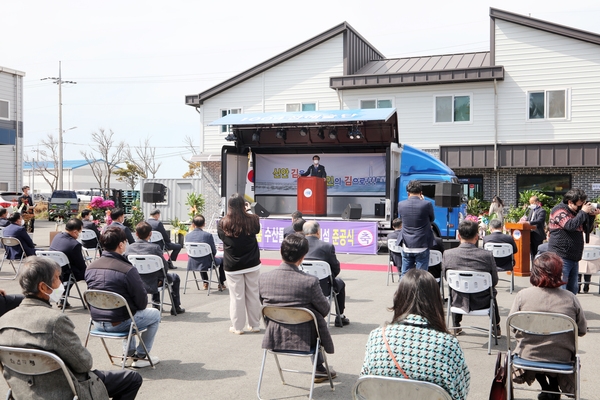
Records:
x=11, y=242
x=371, y=387
x=393, y=248
x=30, y=363
x=104, y=300
x=591, y=253
x=435, y=258
x=500, y=250
x=199, y=250
x=542, y=324
x=322, y=270
x=293, y=316
x=151, y=264
x=468, y=282
x=61, y=259
x=156, y=237
x=88, y=234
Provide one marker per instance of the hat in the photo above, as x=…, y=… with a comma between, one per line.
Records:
x=155, y=211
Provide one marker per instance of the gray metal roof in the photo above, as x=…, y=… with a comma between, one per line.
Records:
x=427, y=63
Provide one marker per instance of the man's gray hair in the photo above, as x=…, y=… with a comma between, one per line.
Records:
x=36, y=270
x=495, y=224
x=311, y=227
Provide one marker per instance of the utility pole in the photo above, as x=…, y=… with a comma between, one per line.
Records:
x=59, y=82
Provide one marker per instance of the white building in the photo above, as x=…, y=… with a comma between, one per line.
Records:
x=11, y=129
x=522, y=115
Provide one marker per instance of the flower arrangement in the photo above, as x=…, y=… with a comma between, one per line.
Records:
x=196, y=203
x=136, y=216
x=99, y=207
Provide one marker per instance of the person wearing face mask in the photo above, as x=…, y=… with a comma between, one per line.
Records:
x=316, y=169
x=568, y=221
x=34, y=324
x=66, y=242
x=17, y=230
x=536, y=216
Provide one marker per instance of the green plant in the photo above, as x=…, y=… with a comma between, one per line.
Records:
x=514, y=214
x=180, y=227
x=476, y=206
x=136, y=217
x=196, y=203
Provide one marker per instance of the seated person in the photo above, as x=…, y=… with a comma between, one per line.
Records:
x=296, y=215
x=418, y=339
x=34, y=324
x=288, y=286
x=396, y=257
x=496, y=236
x=114, y=273
x=546, y=295
x=88, y=223
x=467, y=256
x=198, y=235
x=17, y=231
x=118, y=217
x=67, y=243
x=3, y=221
x=142, y=246
x=299, y=226
x=323, y=251
x=167, y=244
x=9, y=301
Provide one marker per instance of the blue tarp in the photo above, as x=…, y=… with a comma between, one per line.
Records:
x=307, y=117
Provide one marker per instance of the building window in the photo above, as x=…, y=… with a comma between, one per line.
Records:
x=4, y=186
x=4, y=109
x=472, y=186
x=452, y=108
x=553, y=185
x=292, y=107
x=383, y=103
x=224, y=113
x=547, y=104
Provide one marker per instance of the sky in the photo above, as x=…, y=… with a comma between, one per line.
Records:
x=134, y=61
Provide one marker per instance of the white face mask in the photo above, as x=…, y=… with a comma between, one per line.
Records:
x=57, y=293
x=316, y=162
x=532, y=206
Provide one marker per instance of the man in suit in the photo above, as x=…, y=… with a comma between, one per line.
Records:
x=323, y=251
x=17, y=231
x=467, y=256
x=496, y=236
x=536, y=215
x=416, y=235
x=202, y=264
x=296, y=215
x=88, y=223
x=142, y=246
x=3, y=221
x=316, y=169
x=34, y=324
x=288, y=286
x=66, y=242
x=118, y=217
x=159, y=227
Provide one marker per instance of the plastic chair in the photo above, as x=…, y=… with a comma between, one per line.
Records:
x=293, y=316
x=393, y=248
x=11, y=242
x=157, y=237
x=591, y=253
x=468, y=282
x=322, y=270
x=151, y=264
x=61, y=259
x=33, y=362
x=500, y=250
x=541, y=324
x=370, y=387
x=104, y=300
x=199, y=250
x=88, y=234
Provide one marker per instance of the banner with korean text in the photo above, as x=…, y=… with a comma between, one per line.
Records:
x=354, y=237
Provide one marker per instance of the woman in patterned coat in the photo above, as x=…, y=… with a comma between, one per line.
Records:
x=418, y=339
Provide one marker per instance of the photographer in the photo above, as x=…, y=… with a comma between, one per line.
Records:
x=568, y=221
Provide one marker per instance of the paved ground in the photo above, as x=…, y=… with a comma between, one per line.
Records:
x=201, y=359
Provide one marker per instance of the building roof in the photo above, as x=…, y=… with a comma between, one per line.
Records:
x=67, y=164
x=357, y=52
x=11, y=71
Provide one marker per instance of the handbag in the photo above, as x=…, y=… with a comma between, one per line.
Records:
x=498, y=390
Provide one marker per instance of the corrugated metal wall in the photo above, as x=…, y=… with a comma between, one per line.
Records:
x=174, y=206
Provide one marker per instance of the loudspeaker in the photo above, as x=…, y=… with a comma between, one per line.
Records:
x=380, y=210
x=447, y=194
x=352, y=211
x=260, y=210
x=154, y=192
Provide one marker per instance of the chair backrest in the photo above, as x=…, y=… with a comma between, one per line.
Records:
x=87, y=234
x=393, y=247
x=156, y=237
x=198, y=250
x=384, y=387
x=290, y=315
x=104, y=300
x=499, y=249
x=590, y=252
x=435, y=257
x=57, y=256
x=468, y=281
x=541, y=324
x=320, y=269
x=146, y=264
x=10, y=242
x=34, y=362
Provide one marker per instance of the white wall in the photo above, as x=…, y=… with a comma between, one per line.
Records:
x=74, y=179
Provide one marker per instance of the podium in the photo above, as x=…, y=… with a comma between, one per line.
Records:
x=312, y=196
x=521, y=232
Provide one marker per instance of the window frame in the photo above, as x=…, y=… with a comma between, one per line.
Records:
x=301, y=104
x=226, y=129
x=8, y=110
x=376, y=100
x=567, y=116
x=453, y=96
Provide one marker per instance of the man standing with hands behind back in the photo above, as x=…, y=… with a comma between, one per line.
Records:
x=316, y=169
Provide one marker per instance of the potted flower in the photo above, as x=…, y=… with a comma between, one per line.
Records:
x=180, y=229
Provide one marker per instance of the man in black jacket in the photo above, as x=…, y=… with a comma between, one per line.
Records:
x=536, y=216
x=502, y=263
x=159, y=227
x=316, y=169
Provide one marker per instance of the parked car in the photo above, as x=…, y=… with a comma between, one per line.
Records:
x=63, y=204
x=87, y=195
x=7, y=199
